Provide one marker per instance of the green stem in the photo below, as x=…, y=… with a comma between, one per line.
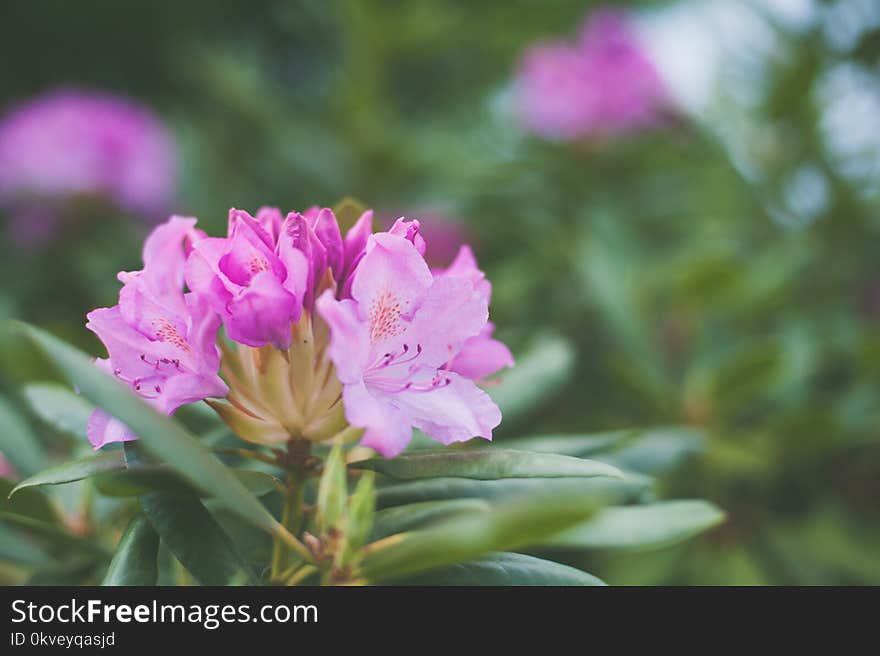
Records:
x=296, y=577
x=291, y=520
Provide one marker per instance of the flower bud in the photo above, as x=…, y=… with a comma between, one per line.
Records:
x=332, y=492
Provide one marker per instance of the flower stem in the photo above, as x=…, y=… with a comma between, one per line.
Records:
x=300, y=574
x=291, y=520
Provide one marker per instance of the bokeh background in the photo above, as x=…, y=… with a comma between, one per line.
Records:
x=712, y=263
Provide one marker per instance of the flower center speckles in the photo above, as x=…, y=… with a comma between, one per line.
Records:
x=166, y=332
x=257, y=264
x=385, y=311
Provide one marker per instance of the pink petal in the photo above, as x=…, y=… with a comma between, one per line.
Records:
x=327, y=230
x=388, y=430
x=452, y=413
x=262, y=313
x=451, y=312
x=389, y=284
x=482, y=356
x=103, y=429
x=349, y=337
x=409, y=230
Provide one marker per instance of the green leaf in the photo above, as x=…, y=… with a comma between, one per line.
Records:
x=158, y=434
x=486, y=464
x=27, y=504
x=509, y=526
x=17, y=548
x=18, y=443
x=608, y=489
x=53, y=533
x=59, y=407
x=134, y=562
x=194, y=537
x=645, y=450
x=505, y=569
x=417, y=515
x=114, y=478
x=75, y=470
x=656, y=451
x=140, y=479
x=536, y=377
x=640, y=527
x=575, y=444
x=71, y=572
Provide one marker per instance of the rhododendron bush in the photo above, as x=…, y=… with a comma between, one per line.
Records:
x=322, y=351
x=436, y=292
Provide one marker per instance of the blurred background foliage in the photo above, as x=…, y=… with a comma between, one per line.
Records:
x=718, y=271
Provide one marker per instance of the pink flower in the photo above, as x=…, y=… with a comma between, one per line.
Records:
x=268, y=269
x=394, y=340
x=76, y=143
x=254, y=279
x=160, y=341
x=604, y=84
x=481, y=355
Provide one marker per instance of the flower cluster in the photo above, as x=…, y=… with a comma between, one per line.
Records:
x=324, y=332
x=602, y=84
x=70, y=144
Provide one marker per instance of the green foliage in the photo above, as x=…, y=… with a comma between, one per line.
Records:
x=674, y=280
x=135, y=560
x=447, y=511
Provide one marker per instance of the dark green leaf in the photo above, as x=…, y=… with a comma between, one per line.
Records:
x=605, y=488
x=194, y=537
x=29, y=503
x=158, y=434
x=486, y=464
x=656, y=451
x=141, y=479
x=417, y=515
x=505, y=569
x=509, y=526
x=134, y=562
x=576, y=444
x=19, y=549
x=53, y=533
x=75, y=470
x=18, y=443
x=635, y=527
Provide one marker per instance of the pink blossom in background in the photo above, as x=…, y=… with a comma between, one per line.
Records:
x=604, y=83
x=6, y=469
x=161, y=341
x=70, y=143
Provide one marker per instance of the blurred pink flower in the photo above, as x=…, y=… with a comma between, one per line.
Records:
x=6, y=469
x=70, y=143
x=602, y=84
